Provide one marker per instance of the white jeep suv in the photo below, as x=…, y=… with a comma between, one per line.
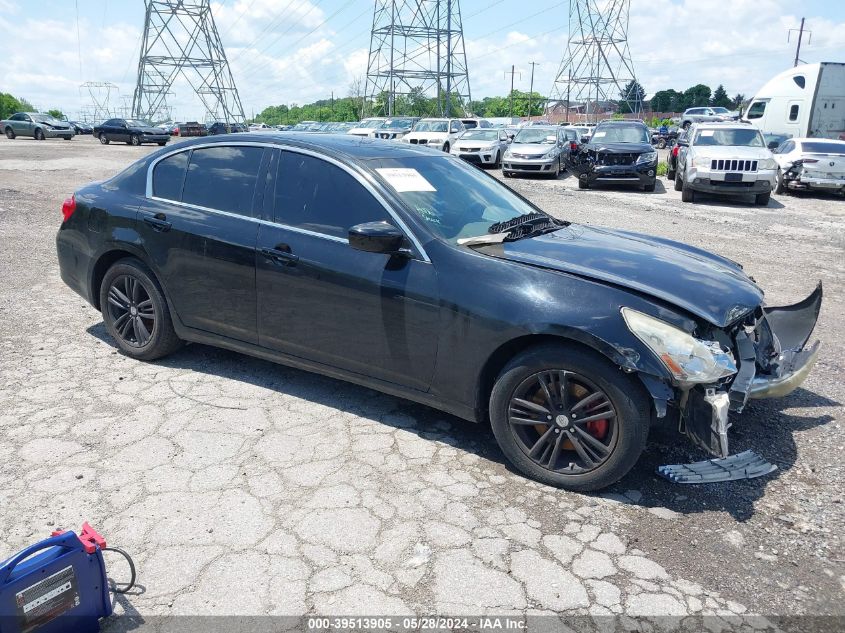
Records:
x=725, y=159
x=437, y=133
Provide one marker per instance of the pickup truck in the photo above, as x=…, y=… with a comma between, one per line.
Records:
x=38, y=126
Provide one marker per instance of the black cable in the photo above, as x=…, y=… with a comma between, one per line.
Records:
x=131, y=569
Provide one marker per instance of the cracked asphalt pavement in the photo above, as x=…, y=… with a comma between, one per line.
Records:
x=241, y=487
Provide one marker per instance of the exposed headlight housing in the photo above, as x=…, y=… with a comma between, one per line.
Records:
x=767, y=163
x=687, y=358
x=551, y=153
x=647, y=157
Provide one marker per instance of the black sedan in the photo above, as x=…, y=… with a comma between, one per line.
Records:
x=618, y=153
x=80, y=127
x=406, y=270
x=131, y=131
x=672, y=156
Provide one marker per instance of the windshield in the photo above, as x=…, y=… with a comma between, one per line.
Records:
x=820, y=147
x=372, y=123
x=734, y=138
x=453, y=198
x=430, y=126
x=44, y=118
x=535, y=135
x=481, y=135
x=720, y=110
x=621, y=134
x=397, y=123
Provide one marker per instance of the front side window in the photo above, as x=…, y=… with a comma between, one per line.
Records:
x=316, y=195
x=756, y=110
x=223, y=178
x=168, y=176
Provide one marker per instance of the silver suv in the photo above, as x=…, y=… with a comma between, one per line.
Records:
x=703, y=115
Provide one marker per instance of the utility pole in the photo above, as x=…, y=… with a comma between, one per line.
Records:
x=800, y=37
x=512, y=73
x=531, y=89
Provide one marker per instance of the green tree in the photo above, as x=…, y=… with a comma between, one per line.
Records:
x=9, y=105
x=720, y=97
x=664, y=100
x=737, y=101
x=633, y=96
x=56, y=114
x=697, y=96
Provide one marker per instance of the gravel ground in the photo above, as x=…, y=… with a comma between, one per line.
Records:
x=203, y=465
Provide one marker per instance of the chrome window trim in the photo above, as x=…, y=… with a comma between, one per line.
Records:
x=291, y=148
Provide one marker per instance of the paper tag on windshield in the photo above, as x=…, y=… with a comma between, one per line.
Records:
x=404, y=180
x=707, y=132
x=599, y=134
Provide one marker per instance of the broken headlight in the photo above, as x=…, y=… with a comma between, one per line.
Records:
x=688, y=359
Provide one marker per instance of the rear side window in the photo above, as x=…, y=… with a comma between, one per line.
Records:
x=318, y=196
x=793, y=112
x=168, y=176
x=223, y=178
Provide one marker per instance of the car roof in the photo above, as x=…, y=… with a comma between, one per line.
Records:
x=347, y=145
x=814, y=139
x=623, y=122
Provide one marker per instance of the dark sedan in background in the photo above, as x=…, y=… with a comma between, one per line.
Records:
x=131, y=131
x=618, y=153
x=221, y=127
x=411, y=272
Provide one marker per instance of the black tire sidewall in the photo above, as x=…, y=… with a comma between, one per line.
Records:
x=160, y=340
x=103, y=139
x=632, y=408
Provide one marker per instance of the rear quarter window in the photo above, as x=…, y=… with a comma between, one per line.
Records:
x=168, y=176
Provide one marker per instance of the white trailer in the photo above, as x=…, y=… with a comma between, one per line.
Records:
x=804, y=101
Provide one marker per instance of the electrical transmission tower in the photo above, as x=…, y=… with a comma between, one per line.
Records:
x=597, y=66
x=100, y=93
x=417, y=51
x=180, y=37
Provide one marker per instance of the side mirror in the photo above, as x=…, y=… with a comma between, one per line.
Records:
x=773, y=145
x=683, y=143
x=376, y=237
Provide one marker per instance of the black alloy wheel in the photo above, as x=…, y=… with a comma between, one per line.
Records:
x=130, y=309
x=135, y=311
x=568, y=417
x=563, y=422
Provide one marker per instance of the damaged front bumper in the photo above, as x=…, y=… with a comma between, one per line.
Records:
x=773, y=360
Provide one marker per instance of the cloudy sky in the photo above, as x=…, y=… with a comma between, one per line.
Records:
x=296, y=51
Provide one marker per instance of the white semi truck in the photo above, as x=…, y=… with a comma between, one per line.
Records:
x=804, y=101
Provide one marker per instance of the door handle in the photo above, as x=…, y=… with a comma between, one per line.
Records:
x=284, y=258
x=157, y=222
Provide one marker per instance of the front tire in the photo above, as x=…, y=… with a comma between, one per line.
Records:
x=779, y=187
x=103, y=139
x=568, y=418
x=650, y=187
x=135, y=140
x=583, y=184
x=687, y=194
x=762, y=199
x=135, y=311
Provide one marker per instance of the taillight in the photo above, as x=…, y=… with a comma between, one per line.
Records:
x=68, y=207
x=675, y=151
x=573, y=146
x=176, y=131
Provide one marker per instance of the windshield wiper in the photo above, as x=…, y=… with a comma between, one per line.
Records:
x=517, y=228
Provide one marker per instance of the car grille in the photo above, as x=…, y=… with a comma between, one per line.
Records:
x=470, y=149
x=530, y=156
x=420, y=141
x=733, y=165
x=385, y=135
x=604, y=158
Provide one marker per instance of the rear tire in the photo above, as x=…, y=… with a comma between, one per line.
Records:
x=687, y=194
x=497, y=164
x=39, y=134
x=446, y=147
x=135, y=311
x=670, y=175
x=583, y=184
x=10, y=133
x=162, y=143
x=762, y=199
x=620, y=439
x=103, y=139
x=661, y=144
x=679, y=184
x=779, y=187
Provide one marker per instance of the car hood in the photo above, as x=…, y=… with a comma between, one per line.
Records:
x=619, y=148
x=531, y=148
x=150, y=130
x=468, y=142
x=711, y=287
x=732, y=151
